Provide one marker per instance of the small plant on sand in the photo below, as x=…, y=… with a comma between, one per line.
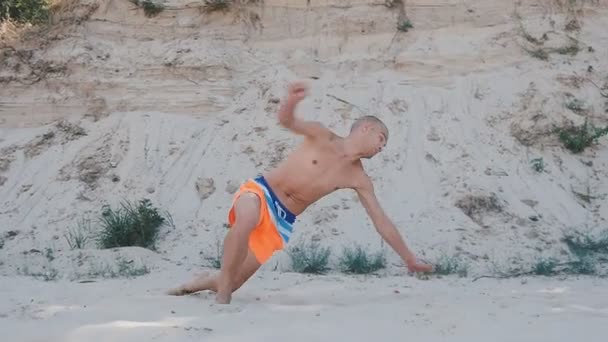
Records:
x=25, y=11
x=535, y=45
x=310, y=258
x=130, y=225
x=583, y=265
x=215, y=260
x=404, y=25
x=583, y=244
x=447, y=265
x=552, y=266
x=538, y=164
x=576, y=105
x=545, y=267
x=538, y=53
x=357, y=260
x=127, y=269
x=577, y=138
x=589, y=254
x=49, y=274
x=571, y=49
x=150, y=7
x=124, y=269
x=78, y=236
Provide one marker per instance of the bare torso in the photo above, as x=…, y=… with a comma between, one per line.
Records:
x=314, y=170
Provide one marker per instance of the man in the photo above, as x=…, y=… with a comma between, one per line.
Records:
x=264, y=209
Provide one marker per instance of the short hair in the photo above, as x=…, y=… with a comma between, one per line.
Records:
x=368, y=118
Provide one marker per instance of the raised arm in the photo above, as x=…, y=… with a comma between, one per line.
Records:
x=312, y=129
x=386, y=228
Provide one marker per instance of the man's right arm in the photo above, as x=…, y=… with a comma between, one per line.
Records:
x=287, y=118
x=385, y=227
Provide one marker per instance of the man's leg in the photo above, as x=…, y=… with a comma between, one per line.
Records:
x=210, y=282
x=236, y=247
x=247, y=212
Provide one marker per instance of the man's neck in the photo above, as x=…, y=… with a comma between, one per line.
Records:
x=351, y=151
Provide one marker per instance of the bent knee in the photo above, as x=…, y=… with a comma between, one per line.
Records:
x=247, y=210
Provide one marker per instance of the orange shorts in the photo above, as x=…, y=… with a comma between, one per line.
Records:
x=275, y=225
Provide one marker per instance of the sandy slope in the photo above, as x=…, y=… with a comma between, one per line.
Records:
x=180, y=108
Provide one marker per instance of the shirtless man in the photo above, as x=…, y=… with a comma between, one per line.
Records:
x=264, y=209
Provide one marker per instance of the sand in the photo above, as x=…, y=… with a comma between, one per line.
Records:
x=181, y=108
x=300, y=308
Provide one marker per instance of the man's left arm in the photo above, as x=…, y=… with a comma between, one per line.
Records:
x=385, y=227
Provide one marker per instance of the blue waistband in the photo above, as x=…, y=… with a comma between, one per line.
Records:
x=289, y=216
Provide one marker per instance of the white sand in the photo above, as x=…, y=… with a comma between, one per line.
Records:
x=297, y=308
x=170, y=102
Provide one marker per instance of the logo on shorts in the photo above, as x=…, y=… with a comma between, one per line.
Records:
x=282, y=214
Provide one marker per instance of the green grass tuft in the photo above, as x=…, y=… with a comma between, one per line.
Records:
x=584, y=266
x=545, y=267
x=357, y=260
x=404, y=25
x=124, y=269
x=311, y=258
x=130, y=225
x=585, y=244
x=447, y=265
x=127, y=269
x=215, y=260
x=538, y=164
x=578, y=138
x=77, y=237
x=576, y=106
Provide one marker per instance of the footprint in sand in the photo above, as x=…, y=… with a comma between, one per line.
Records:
x=228, y=309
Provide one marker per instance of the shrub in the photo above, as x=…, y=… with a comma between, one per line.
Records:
x=32, y=11
x=577, y=138
x=130, y=225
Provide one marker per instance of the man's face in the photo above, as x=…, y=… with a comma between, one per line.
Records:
x=375, y=137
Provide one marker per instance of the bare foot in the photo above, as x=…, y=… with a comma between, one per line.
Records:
x=223, y=299
x=199, y=283
x=178, y=291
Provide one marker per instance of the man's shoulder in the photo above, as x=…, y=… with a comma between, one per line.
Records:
x=359, y=178
x=318, y=131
